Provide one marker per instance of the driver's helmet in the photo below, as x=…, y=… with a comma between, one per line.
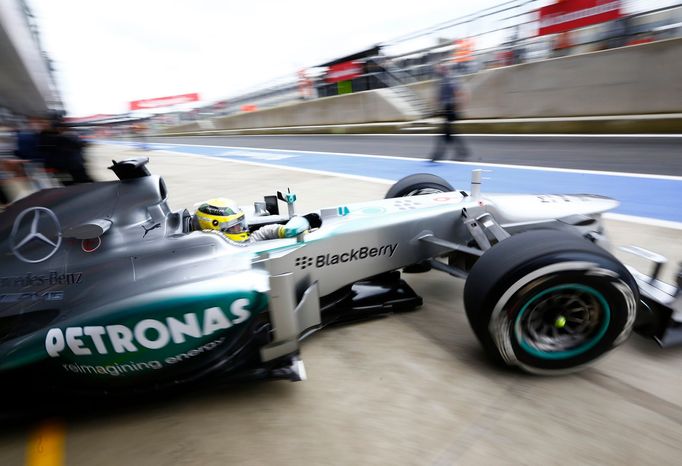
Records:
x=223, y=215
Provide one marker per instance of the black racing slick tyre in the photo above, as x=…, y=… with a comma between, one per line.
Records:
x=418, y=184
x=549, y=301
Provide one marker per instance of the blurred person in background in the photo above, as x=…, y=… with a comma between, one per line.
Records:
x=62, y=152
x=641, y=38
x=14, y=167
x=139, y=131
x=463, y=55
x=27, y=146
x=616, y=34
x=7, y=144
x=305, y=85
x=32, y=161
x=505, y=57
x=448, y=98
x=562, y=44
x=518, y=51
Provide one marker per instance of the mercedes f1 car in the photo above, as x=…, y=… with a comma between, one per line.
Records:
x=103, y=287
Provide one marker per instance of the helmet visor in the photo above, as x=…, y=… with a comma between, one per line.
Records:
x=234, y=227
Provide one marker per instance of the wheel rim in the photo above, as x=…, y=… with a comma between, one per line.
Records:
x=562, y=321
x=423, y=191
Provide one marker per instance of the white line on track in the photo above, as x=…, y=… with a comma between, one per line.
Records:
x=487, y=164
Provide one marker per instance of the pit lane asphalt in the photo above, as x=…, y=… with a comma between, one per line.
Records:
x=411, y=389
x=661, y=155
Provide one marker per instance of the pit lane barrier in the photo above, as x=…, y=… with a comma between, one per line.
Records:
x=669, y=123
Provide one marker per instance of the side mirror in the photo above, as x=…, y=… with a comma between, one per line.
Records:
x=290, y=199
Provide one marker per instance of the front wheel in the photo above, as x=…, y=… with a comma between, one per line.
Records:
x=418, y=184
x=549, y=302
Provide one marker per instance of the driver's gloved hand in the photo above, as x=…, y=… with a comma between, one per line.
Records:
x=294, y=227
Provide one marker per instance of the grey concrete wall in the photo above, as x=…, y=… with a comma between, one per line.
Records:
x=642, y=79
x=361, y=107
x=632, y=80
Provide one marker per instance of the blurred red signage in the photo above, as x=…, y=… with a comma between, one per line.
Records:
x=343, y=71
x=571, y=14
x=163, y=101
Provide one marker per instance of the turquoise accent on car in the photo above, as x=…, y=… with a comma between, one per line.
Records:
x=572, y=352
x=373, y=211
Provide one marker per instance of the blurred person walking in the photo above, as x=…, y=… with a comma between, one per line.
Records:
x=62, y=152
x=448, y=96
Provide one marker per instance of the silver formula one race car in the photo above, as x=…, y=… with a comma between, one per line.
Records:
x=104, y=288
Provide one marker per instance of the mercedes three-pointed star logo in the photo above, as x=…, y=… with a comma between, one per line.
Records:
x=44, y=228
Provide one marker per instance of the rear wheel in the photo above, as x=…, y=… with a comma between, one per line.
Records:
x=419, y=184
x=549, y=301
